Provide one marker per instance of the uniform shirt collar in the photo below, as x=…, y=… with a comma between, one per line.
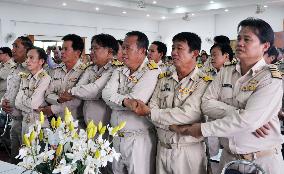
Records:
x=36, y=75
x=192, y=75
x=75, y=67
x=126, y=70
x=255, y=69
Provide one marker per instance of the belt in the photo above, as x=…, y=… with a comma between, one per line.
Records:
x=259, y=154
x=123, y=134
x=175, y=145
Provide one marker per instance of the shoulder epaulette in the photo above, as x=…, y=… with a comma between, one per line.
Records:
x=206, y=78
x=209, y=69
x=82, y=66
x=42, y=74
x=152, y=65
x=275, y=73
x=116, y=62
x=23, y=75
x=164, y=74
x=199, y=65
x=233, y=62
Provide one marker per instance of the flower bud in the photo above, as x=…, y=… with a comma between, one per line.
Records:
x=41, y=118
x=53, y=123
x=59, y=150
x=26, y=141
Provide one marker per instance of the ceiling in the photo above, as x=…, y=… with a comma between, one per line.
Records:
x=158, y=10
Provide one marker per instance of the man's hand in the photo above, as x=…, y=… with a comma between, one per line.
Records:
x=46, y=110
x=6, y=106
x=130, y=103
x=192, y=130
x=262, y=131
x=65, y=96
x=142, y=109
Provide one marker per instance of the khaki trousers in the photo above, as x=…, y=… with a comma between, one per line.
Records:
x=16, y=139
x=181, y=159
x=138, y=151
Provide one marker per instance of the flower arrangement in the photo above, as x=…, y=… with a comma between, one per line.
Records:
x=64, y=149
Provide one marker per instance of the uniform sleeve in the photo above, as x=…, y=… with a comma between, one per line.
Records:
x=59, y=108
x=259, y=110
x=19, y=103
x=51, y=96
x=210, y=105
x=189, y=112
x=91, y=91
x=154, y=104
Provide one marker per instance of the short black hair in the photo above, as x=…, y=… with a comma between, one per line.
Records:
x=161, y=47
x=142, y=40
x=6, y=50
x=106, y=40
x=225, y=48
x=26, y=42
x=261, y=29
x=120, y=42
x=192, y=39
x=273, y=52
x=41, y=53
x=77, y=42
x=221, y=39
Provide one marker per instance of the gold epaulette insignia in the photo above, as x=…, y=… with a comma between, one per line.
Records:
x=207, y=78
x=42, y=74
x=23, y=75
x=152, y=65
x=233, y=62
x=209, y=69
x=116, y=62
x=252, y=84
x=82, y=66
x=199, y=65
x=275, y=73
x=164, y=74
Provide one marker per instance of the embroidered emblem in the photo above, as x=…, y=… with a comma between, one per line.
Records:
x=252, y=84
x=152, y=65
x=23, y=75
x=133, y=79
x=166, y=87
x=42, y=74
x=185, y=91
x=164, y=74
x=116, y=62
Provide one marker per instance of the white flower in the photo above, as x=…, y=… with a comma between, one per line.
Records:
x=63, y=168
x=23, y=152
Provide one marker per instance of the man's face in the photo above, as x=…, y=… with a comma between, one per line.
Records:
x=218, y=59
x=181, y=54
x=100, y=54
x=68, y=53
x=57, y=56
x=153, y=53
x=132, y=55
x=119, y=53
x=2, y=56
x=249, y=46
x=19, y=51
x=34, y=63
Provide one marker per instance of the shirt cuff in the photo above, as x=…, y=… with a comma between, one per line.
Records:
x=206, y=130
x=154, y=115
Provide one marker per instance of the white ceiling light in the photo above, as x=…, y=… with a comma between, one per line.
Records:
x=265, y=6
x=64, y=4
x=192, y=14
x=154, y=2
x=211, y=2
x=148, y=15
x=163, y=17
x=97, y=8
x=124, y=12
x=226, y=10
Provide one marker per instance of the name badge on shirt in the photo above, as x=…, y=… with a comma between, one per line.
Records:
x=166, y=87
x=227, y=85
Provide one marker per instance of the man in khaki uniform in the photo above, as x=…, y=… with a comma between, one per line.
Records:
x=240, y=101
x=137, y=141
x=32, y=88
x=177, y=100
x=157, y=52
x=20, y=47
x=64, y=78
x=93, y=80
x=7, y=66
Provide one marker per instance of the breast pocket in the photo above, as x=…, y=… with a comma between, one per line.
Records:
x=243, y=97
x=164, y=98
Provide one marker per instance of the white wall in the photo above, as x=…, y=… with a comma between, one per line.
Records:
x=22, y=19
x=203, y=26
x=226, y=24
x=222, y=24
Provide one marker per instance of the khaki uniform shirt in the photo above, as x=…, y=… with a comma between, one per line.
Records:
x=60, y=82
x=13, y=85
x=5, y=69
x=241, y=104
x=89, y=88
x=31, y=94
x=139, y=85
x=177, y=102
